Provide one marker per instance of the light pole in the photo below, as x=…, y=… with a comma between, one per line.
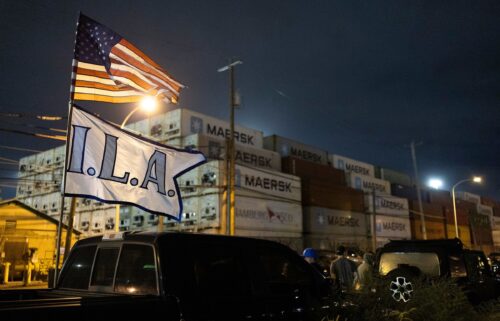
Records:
x=148, y=104
x=230, y=215
x=475, y=179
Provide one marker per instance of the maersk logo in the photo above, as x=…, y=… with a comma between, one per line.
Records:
x=214, y=149
x=343, y=221
x=268, y=184
x=393, y=226
x=341, y=164
x=225, y=133
x=358, y=183
x=304, y=154
x=196, y=125
x=384, y=203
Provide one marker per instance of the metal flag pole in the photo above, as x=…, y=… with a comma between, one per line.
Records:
x=63, y=186
x=61, y=216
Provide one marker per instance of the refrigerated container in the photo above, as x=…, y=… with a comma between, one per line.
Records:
x=350, y=165
x=392, y=227
x=183, y=122
x=210, y=178
x=287, y=147
x=215, y=148
x=387, y=204
x=368, y=184
x=321, y=220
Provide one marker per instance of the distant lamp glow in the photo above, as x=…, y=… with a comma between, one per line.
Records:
x=435, y=183
x=148, y=104
x=477, y=179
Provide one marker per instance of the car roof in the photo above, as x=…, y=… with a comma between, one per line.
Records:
x=174, y=237
x=452, y=245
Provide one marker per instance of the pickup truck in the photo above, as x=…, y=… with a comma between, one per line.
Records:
x=177, y=276
x=402, y=262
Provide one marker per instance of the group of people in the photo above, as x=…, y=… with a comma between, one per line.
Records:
x=345, y=272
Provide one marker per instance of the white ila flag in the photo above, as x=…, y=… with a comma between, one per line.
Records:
x=115, y=166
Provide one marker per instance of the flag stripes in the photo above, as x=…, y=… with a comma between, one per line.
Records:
x=108, y=68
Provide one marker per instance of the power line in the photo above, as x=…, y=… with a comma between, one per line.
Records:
x=21, y=149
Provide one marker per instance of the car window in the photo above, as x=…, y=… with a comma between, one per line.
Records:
x=427, y=262
x=283, y=273
x=76, y=273
x=476, y=266
x=220, y=272
x=136, y=272
x=104, y=268
x=457, y=266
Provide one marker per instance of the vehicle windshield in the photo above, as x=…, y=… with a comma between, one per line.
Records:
x=428, y=263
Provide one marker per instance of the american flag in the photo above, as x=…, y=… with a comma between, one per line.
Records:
x=108, y=68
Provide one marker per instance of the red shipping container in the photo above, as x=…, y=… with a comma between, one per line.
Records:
x=488, y=201
x=315, y=171
x=319, y=193
x=430, y=209
x=439, y=197
x=481, y=235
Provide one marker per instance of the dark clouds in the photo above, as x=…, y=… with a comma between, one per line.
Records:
x=357, y=78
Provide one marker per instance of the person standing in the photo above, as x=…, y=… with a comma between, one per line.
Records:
x=311, y=257
x=343, y=270
x=364, y=277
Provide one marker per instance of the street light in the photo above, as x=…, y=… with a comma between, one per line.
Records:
x=475, y=179
x=148, y=104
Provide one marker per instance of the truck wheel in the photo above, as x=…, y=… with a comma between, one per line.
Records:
x=401, y=284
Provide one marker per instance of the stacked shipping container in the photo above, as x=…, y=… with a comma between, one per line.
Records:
x=388, y=213
x=333, y=211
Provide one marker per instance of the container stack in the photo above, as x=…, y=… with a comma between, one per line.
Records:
x=333, y=212
x=387, y=213
x=267, y=201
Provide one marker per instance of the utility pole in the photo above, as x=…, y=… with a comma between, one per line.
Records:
x=417, y=184
x=374, y=222
x=231, y=149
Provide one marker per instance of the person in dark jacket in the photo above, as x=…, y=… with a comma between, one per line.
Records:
x=343, y=270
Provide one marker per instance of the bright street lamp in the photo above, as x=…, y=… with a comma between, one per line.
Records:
x=148, y=104
x=435, y=183
x=475, y=179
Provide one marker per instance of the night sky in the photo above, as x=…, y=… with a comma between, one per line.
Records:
x=357, y=78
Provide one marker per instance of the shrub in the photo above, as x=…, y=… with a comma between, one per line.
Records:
x=438, y=300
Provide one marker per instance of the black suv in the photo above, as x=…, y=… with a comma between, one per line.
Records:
x=401, y=262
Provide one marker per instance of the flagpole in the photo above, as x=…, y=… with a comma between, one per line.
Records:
x=66, y=161
x=61, y=216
